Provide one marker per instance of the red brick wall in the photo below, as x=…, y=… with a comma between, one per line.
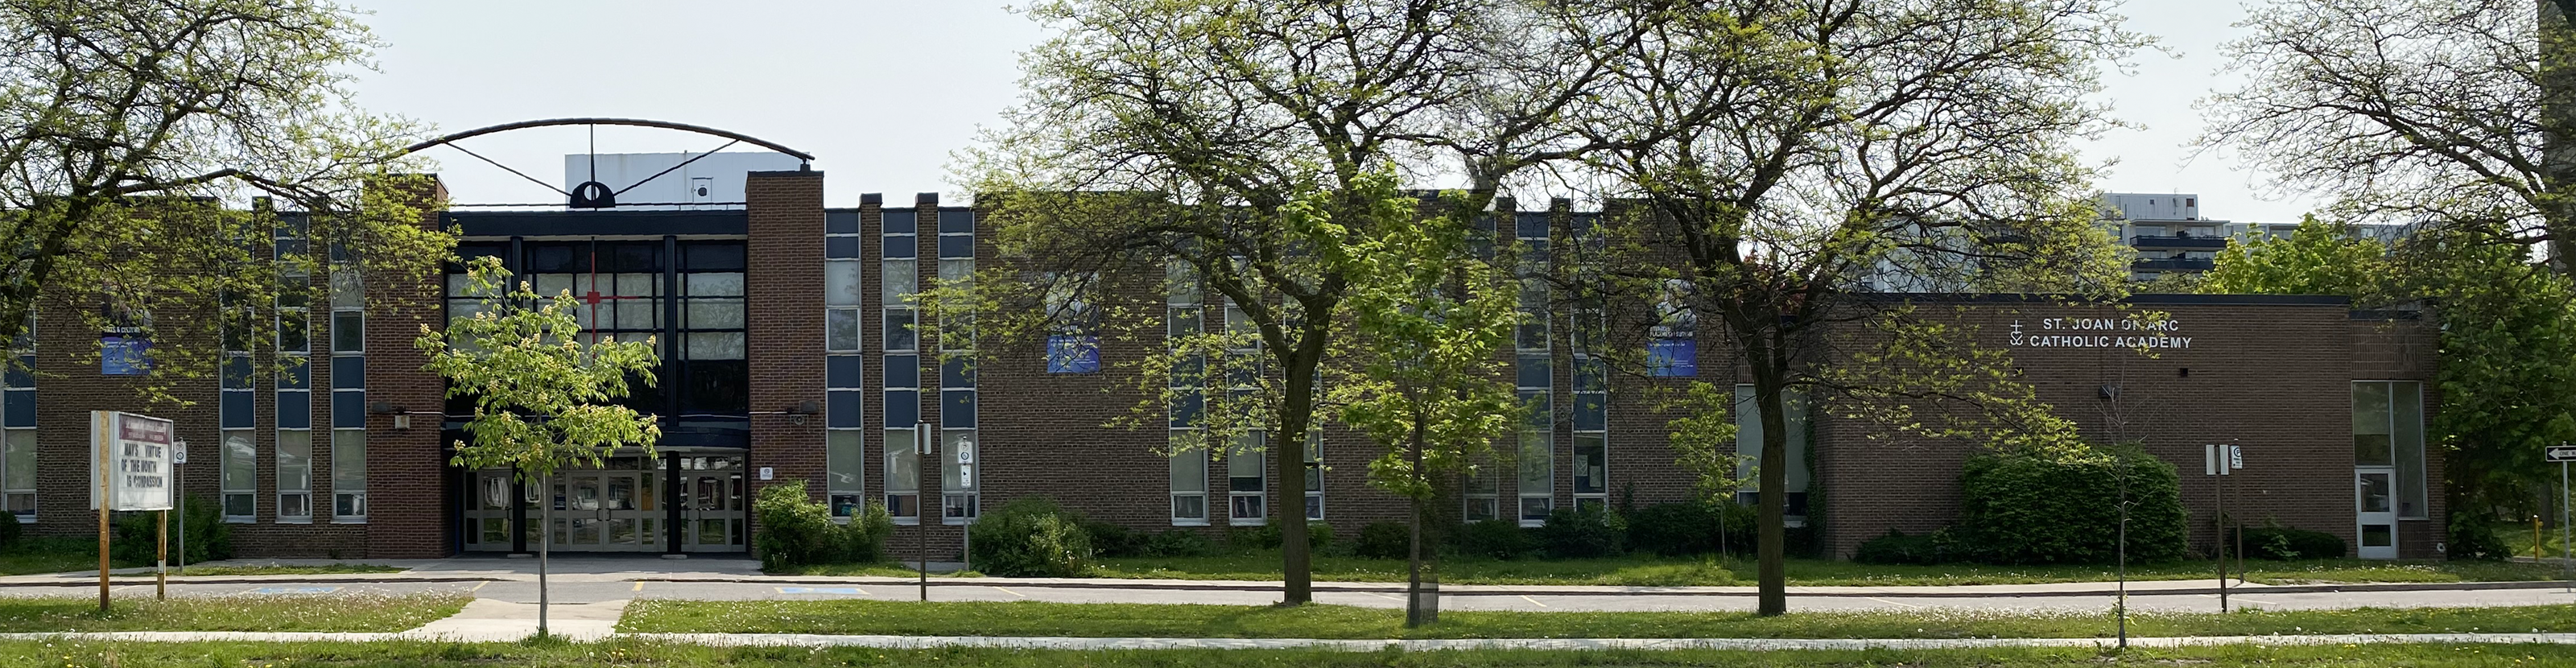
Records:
x=783, y=291
x=410, y=488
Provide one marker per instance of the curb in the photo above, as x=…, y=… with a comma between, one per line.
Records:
x=1892, y=592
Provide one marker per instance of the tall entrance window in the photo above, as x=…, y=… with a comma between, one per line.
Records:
x=1748, y=448
x=2388, y=462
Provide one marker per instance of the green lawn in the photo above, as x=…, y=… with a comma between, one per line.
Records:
x=1114, y=620
x=1648, y=571
x=665, y=655
x=324, y=612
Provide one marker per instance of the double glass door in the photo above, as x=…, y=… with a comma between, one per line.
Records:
x=608, y=510
x=712, y=509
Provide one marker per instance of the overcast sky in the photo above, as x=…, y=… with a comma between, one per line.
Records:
x=881, y=91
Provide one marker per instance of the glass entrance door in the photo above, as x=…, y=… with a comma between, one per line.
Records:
x=607, y=510
x=488, y=500
x=712, y=517
x=2374, y=492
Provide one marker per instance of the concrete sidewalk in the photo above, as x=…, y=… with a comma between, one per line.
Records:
x=590, y=568
x=909, y=642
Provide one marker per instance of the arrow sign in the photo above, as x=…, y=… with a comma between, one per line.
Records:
x=2560, y=453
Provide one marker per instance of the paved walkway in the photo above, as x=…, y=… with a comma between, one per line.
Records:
x=907, y=642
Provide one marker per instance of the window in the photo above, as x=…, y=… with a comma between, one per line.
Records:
x=1189, y=479
x=1247, y=482
x=1672, y=344
x=1536, y=375
x=1484, y=494
x=843, y=462
x=959, y=491
x=1591, y=437
x=1748, y=448
x=1073, y=340
x=240, y=479
x=1184, y=318
x=294, y=475
x=842, y=293
x=1315, y=474
x=900, y=276
x=18, y=426
x=714, y=376
x=2388, y=430
x=349, y=475
x=903, y=450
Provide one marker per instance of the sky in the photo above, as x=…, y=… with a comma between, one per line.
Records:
x=881, y=92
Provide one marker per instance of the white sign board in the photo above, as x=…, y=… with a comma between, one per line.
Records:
x=134, y=452
x=766, y=473
x=2560, y=453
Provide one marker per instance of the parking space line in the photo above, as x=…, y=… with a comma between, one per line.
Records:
x=639, y=586
x=818, y=590
x=1390, y=598
x=1881, y=600
x=1013, y=593
x=1532, y=601
x=478, y=586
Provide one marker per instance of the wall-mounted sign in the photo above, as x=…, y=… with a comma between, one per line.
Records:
x=2091, y=332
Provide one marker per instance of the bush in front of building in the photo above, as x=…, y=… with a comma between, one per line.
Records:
x=2282, y=543
x=1319, y=535
x=1115, y=540
x=1178, y=543
x=1582, y=533
x=794, y=528
x=137, y=538
x=9, y=532
x=1031, y=537
x=2473, y=537
x=1493, y=539
x=2061, y=505
x=863, y=539
x=1384, y=540
x=1938, y=547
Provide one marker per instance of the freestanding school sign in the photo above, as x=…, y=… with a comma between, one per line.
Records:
x=131, y=468
x=134, y=452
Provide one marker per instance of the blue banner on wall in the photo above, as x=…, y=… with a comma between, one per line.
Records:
x=1073, y=354
x=124, y=355
x=1672, y=357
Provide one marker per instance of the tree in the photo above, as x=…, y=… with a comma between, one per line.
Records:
x=2431, y=111
x=1222, y=113
x=124, y=125
x=1703, y=438
x=2508, y=335
x=1427, y=317
x=544, y=394
x=1789, y=157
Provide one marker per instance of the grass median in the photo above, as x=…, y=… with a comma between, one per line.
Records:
x=1650, y=571
x=316, y=612
x=82, y=654
x=1128, y=620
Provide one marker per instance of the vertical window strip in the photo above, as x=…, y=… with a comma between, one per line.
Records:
x=18, y=426
x=348, y=395
x=899, y=279
x=294, y=475
x=960, y=489
x=1185, y=317
x=1748, y=449
x=1246, y=470
x=2388, y=430
x=1536, y=374
x=240, y=476
x=844, y=458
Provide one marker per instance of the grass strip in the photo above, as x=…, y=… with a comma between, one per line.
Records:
x=668, y=655
x=318, y=612
x=1650, y=571
x=1117, y=620
x=279, y=569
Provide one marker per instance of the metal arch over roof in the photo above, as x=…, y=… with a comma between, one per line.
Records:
x=637, y=122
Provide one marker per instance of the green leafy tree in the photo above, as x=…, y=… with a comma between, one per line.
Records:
x=1427, y=316
x=544, y=392
x=1222, y=114
x=1703, y=438
x=2318, y=258
x=126, y=127
x=1786, y=159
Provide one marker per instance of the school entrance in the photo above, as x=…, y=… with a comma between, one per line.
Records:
x=680, y=503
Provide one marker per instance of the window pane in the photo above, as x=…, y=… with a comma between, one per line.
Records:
x=841, y=371
x=2407, y=413
x=294, y=460
x=240, y=461
x=956, y=246
x=841, y=330
x=903, y=408
x=1189, y=468
x=841, y=247
x=901, y=222
x=1180, y=283
x=18, y=460
x=1590, y=455
x=715, y=345
x=957, y=372
x=294, y=409
x=715, y=313
x=842, y=410
x=903, y=371
x=903, y=463
x=2370, y=428
x=841, y=283
x=348, y=373
x=902, y=280
x=348, y=460
x=349, y=409
x=900, y=334
x=1538, y=462
x=843, y=460
x=18, y=408
x=957, y=460
x=1535, y=371
x=348, y=332
x=957, y=409
x=1243, y=465
x=956, y=221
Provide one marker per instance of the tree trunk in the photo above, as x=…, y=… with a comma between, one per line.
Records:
x=1288, y=452
x=1422, y=590
x=1771, y=544
x=545, y=540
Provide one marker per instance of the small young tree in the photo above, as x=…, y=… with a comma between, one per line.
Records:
x=1703, y=437
x=1428, y=316
x=544, y=393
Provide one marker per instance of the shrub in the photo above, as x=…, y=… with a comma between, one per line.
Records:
x=863, y=538
x=2285, y=543
x=795, y=529
x=1031, y=537
x=9, y=531
x=1319, y=534
x=1385, y=540
x=2061, y=506
x=1178, y=543
x=1496, y=539
x=1582, y=533
x=1114, y=540
x=2473, y=538
x=137, y=535
x=1938, y=547
x=1693, y=527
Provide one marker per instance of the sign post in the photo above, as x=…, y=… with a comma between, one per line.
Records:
x=133, y=471
x=2222, y=460
x=2564, y=454
x=179, y=497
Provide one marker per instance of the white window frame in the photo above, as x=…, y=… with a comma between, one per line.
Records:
x=20, y=441
x=227, y=457
x=2397, y=459
x=343, y=495
x=285, y=491
x=1237, y=456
